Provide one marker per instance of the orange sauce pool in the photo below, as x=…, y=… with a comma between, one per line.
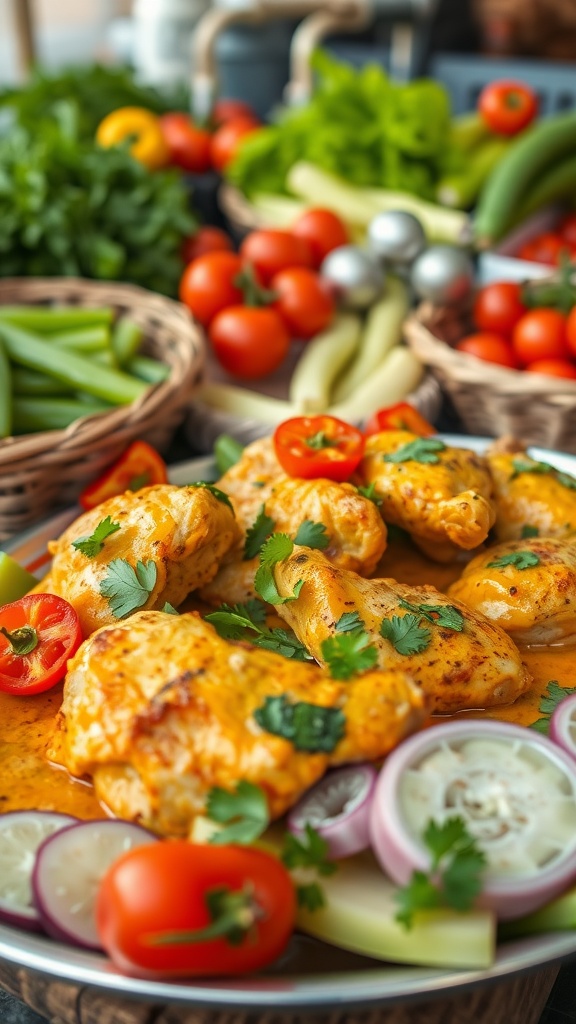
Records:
x=27, y=780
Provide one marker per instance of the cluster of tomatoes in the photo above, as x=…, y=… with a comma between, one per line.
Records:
x=253, y=302
x=196, y=148
x=551, y=247
x=541, y=340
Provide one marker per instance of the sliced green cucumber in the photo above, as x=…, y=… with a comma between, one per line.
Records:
x=14, y=580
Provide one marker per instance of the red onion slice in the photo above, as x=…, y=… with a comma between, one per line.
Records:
x=68, y=870
x=21, y=834
x=338, y=807
x=515, y=790
x=563, y=725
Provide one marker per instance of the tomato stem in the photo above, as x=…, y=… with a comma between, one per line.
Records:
x=254, y=293
x=22, y=640
x=233, y=915
x=320, y=440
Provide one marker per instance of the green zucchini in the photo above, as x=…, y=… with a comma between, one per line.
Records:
x=558, y=183
x=537, y=150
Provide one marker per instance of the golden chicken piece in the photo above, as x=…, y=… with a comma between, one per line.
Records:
x=440, y=495
x=159, y=709
x=354, y=528
x=474, y=664
x=529, y=495
x=527, y=587
x=250, y=481
x=183, y=531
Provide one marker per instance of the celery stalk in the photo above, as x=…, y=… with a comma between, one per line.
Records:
x=32, y=415
x=83, y=339
x=150, y=370
x=30, y=382
x=5, y=394
x=126, y=339
x=50, y=319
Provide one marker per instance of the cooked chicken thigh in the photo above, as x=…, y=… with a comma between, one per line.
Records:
x=472, y=665
x=527, y=587
x=530, y=495
x=440, y=495
x=184, y=531
x=354, y=528
x=251, y=480
x=159, y=709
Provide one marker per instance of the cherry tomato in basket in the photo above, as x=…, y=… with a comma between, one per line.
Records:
x=540, y=334
x=228, y=139
x=323, y=230
x=139, y=466
x=492, y=348
x=227, y=109
x=39, y=633
x=401, y=416
x=547, y=247
x=507, y=107
x=188, y=145
x=498, y=307
x=318, y=446
x=270, y=251
x=249, y=342
x=567, y=229
x=208, y=285
x=183, y=909
x=207, y=239
x=553, y=368
x=304, y=301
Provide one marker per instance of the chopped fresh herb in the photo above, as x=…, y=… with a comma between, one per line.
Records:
x=256, y=534
x=227, y=452
x=284, y=642
x=455, y=875
x=406, y=634
x=519, y=559
x=346, y=654
x=549, y=701
x=170, y=609
x=308, y=851
x=312, y=535
x=370, y=493
x=220, y=495
x=348, y=622
x=529, y=531
x=423, y=449
x=258, y=483
x=92, y=545
x=126, y=588
x=445, y=615
x=138, y=482
x=277, y=548
x=320, y=440
x=242, y=621
x=309, y=727
x=564, y=479
x=310, y=897
x=244, y=812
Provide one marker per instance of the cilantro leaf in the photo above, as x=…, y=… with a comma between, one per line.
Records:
x=92, y=545
x=307, y=851
x=519, y=559
x=406, y=634
x=126, y=588
x=529, y=531
x=419, y=893
x=242, y=621
x=310, y=897
x=277, y=548
x=220, y=495
x=549, y=701
x=423, y=449
x=310, y=727
x=256, y=534
x=244, y=812
x=441, y=839
x=348, y=653
x=284, y=642
x=229, y=624
x=370, y=493
x=348, y=622
x=312, y=535
x=445, y=615
x=462, y=878
x=565, y=479
x=170, y=609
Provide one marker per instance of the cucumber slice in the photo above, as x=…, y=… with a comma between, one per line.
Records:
x=14, y=580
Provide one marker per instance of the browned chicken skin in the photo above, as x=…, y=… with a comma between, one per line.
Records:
x=444, y=503
x=251, y=480
x=530, y=494
x=478, y=667
x=159, y=709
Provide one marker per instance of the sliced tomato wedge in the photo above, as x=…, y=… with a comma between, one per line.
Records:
x=38, y=634
x=318, y=446
x=139, y=466
x=401, y=416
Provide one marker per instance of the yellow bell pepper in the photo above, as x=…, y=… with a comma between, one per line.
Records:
x=149, y=146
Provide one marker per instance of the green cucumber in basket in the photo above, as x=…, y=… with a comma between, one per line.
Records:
x=559, y=182
x=51, y=320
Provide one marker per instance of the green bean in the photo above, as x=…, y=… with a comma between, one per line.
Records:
x=151, y=370
x=48, y=319
x=30, y=383
x=34, y=414
x=75, y=371
x=227, y=452
x=126, y=339
x=104, y=358
x=5, y=394
x=83, y=339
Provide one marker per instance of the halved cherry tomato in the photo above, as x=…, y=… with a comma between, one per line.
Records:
x=208, y=285
x=228, y=139
x=540, y=334
x=207, y=239
x=507, y=107
x=38, y=634
x=182, y=909
x=323, y=230
x=270, y=251
x=318, y=446
x=492, y=348
x=189, y=145
x=250, y=342
x=303, y=300
x=498, y=307
x=553, y=368
x=401, y=416
x=227, y=109
x=139, y=466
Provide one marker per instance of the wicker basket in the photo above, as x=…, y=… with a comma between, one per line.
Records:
x=39, y=471
x=491, y=399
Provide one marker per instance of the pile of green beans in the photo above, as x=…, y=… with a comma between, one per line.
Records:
x=58, y=364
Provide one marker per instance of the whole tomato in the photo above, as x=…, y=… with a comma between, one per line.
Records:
x=323, y=230
x=189, y=146
x=270, y=251
x=492, y=348
x=303, y=301
x=207, y=239
x=545, y=248
x=208, y=285
x=156, y=896
x=227, y=109
x=498, y=307
x=227, y=140
x=567, y=229
x=553, y=368
x=540, y=334
x=507, y=107
x=250, y=342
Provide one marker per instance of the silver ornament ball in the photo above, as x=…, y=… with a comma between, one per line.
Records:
x=396, y=236
x=442, y=274
x=354, y=276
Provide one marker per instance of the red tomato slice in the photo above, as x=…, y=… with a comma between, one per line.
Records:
x=139, y=466
x=318, y=446
x=39, y=633
x=401, y=416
